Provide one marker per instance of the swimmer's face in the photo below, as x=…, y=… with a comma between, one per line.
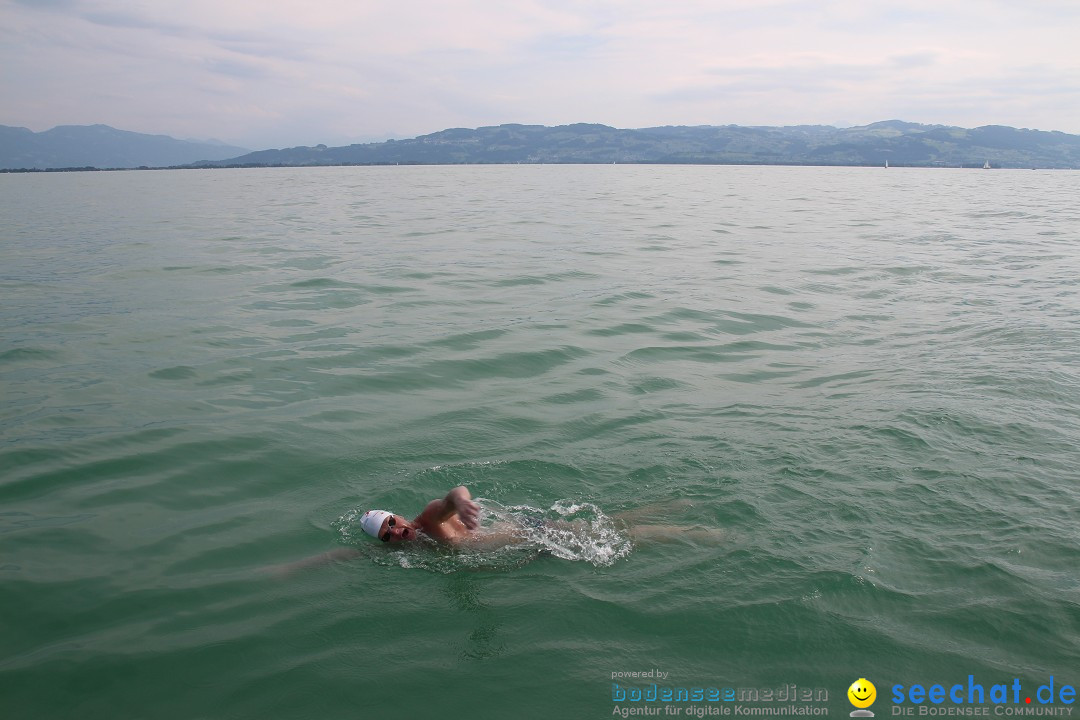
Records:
x=396, y=529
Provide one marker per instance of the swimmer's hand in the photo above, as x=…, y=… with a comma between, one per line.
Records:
x=468, y=511
x=457, y=502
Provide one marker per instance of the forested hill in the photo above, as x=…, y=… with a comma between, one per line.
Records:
x=898, y=143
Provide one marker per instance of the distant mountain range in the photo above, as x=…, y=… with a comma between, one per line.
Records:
x=896, y=142
x=899, y=143
x=100, y=146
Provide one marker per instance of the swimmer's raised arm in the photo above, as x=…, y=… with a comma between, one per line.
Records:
x=457, y=502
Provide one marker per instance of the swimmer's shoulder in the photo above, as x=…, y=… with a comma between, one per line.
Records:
x=451, y=530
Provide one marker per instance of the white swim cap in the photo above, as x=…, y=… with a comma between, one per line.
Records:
x=372, y=521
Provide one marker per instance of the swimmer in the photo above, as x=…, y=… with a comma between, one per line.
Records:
x=450, y=520
x=455, y=520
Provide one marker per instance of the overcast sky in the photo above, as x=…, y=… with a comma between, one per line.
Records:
x=278, y=73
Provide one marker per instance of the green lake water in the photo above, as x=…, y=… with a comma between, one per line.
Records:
x=852, y=395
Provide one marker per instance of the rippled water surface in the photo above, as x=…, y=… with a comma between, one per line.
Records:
x=845, y=403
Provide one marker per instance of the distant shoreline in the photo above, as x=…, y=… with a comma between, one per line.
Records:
x=892, y=143
x=974, y=166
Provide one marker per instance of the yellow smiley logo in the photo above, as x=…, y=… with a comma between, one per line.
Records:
x=862, y=693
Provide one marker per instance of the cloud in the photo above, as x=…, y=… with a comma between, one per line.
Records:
x=280, y=72
x=237, y=68
x=47, y=4
x=914, y=60
x=116, y=19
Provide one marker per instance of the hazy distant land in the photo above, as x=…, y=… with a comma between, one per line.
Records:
x=100, y=146
x=896, y=142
